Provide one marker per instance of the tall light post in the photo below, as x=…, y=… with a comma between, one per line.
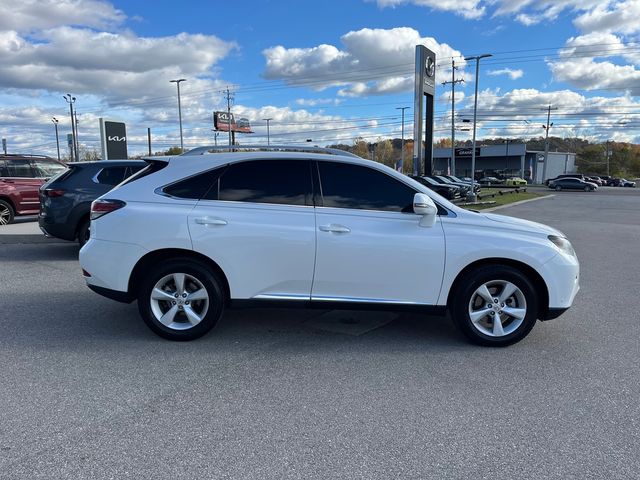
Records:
x=55, y=124
x=177, y=82
x=71, y=100
x=546, y=141
x=402, y=148
x=267, y=120
x=472, y=194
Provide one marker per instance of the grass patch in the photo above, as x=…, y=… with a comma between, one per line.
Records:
x=505, y=199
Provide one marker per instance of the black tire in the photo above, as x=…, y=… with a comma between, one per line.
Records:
x=6, y=213
x=558, y=188
x=587, y=188
x=207, y=279
x=465, y=291
x=84, y=232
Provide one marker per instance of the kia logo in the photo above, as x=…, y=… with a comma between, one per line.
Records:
x=115, y=138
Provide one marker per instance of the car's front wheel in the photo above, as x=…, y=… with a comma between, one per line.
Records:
x=181, y=299
x=495, y=306
x=6, y=213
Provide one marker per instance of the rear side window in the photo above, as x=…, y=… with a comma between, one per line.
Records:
x=354, y=186
x=197, y=186
x=111, y=175
x=152, y=167
x=19, y=168
x=268, y=181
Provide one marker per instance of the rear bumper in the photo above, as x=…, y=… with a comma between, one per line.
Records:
x=57, y=230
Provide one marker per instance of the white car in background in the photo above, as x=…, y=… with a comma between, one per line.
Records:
x=194, y=234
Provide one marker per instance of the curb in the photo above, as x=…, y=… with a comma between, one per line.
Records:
x=517, y=203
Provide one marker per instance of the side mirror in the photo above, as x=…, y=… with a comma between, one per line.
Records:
x=424, y=206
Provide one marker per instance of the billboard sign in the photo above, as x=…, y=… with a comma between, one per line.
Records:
x=222, y=121
x=113, y=137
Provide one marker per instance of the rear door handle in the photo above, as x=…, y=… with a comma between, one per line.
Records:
x=210, y=221
x=335, y=228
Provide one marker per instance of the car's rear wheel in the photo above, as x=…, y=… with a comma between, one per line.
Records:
x=558, y=188
x=84, y=232
x=6, y=213
x=181, y=299
x=495, y=306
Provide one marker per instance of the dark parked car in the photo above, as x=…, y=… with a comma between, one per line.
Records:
x=490, y=181
x=20, y=178
x=447, y=191
x=460, y=181
x=565, y=175
x=572, y=184
x=465, y=187
x=65, y=200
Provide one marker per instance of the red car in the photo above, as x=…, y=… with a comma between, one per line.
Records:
x=20, y=178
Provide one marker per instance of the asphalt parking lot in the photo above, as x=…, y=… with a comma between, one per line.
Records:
x=87, y=391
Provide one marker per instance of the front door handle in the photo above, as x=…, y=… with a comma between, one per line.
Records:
x=210, y=221
x=335, y=228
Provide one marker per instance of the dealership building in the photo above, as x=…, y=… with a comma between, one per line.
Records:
x=509, y=159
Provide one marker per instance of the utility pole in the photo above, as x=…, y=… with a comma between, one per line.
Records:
x=546, y=141
x=267, y=120
x=74, y=147
x=149, y=139
x=608, y=153
x=77, y=141
x=177, y=82
x=229, y=95
x=453, y=82
x=472, y=194
x=402, y=148
x=55, y=124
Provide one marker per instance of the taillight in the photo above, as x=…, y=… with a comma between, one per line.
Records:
x=102, y=207
x=54, y=192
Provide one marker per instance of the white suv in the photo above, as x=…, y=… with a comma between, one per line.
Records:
x=191, y=235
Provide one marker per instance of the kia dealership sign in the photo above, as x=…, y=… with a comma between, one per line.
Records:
x=113, y=136
x=222, y=121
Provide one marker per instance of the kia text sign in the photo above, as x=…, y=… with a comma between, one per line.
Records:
x=222, y=120
x=113, y=137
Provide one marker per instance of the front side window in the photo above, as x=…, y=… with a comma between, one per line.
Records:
x=268, y=181
x=46, y=169
x=346, y=185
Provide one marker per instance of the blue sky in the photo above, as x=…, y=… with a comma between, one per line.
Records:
x=331, y=71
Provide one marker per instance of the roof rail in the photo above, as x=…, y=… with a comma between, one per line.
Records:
x=278, y=148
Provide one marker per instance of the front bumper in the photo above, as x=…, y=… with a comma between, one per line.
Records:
x=562, y=276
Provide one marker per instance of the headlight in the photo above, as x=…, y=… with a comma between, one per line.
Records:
x=563, y=245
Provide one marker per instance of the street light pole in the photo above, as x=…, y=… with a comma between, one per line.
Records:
x=267, y=120
x=55, y=124
x=71, y=100
x=402, y=147
x=472, y=194
x=177, y=82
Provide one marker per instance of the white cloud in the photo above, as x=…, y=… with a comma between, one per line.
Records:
x=511, y=73
x=115, y=65
x=578, y=66
x=33, y=15
x=621, y=17
x=373, y=62
x=466, y=8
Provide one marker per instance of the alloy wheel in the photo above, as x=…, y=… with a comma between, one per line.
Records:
x=179, y=301
x=497, y=308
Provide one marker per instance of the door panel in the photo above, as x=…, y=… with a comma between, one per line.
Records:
x=384, y=256
x=266, y=251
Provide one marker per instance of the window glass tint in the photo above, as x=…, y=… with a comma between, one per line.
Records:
x=111, y=175
x=19, y=168
x=131, y=170
x=354, y=186
x=4, y=171
x=47, y=169
x=196, y=186
x=268, y=181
